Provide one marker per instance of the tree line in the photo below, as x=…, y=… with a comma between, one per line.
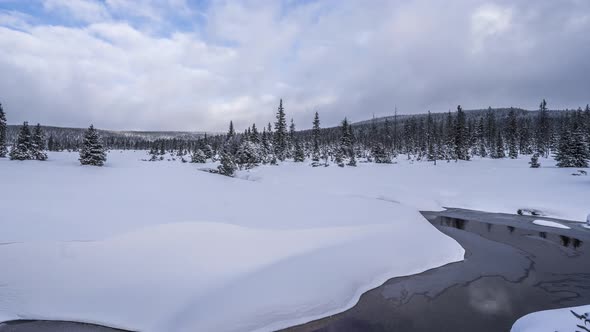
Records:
x=459, y=135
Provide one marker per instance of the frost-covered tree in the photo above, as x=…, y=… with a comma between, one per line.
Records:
x=23, y=147
x=248, y=155
x=231, y=133
x=92, y=152
x=3, y=143
x=315, y=132
x=38, y=144
x=280, y=135
x=227, y=165
x=512, y=135
x=571, y=149
x=461, y=138
x=299, y=154
x=543, y=133
x=499, y=151
x=535, y=161
x=198, y=156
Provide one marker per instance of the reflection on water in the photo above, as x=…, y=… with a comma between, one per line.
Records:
x=512, y=268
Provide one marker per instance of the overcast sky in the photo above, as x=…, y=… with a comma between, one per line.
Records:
x=195, y=65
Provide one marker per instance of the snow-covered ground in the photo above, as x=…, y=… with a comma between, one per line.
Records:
x=553, y=320
x=160, y=246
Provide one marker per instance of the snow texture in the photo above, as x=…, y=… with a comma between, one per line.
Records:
x=552, y=320
x=161, y=246
x=549, y=223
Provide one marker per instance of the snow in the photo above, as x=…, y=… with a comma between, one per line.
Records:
x=549, y=223
x=160, y=246
x=551, y=320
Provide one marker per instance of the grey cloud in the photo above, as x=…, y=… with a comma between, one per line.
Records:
x=342, y=58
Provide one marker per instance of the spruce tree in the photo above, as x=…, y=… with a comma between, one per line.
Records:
x=571, y=149
x=535, y=161
x=38, y=144
x=198, y=156
x=231, y=133
x=291, y=140
x=315, y=133
x=499, y=150
x=480, y=137
x=248, y=155
x=460, y=142
x=280, y=135
x=543, y=137
x=22, y=148
x=227, y=165
x=92, y=152
x=512, y=134
x=3, y=143
x=299, y=155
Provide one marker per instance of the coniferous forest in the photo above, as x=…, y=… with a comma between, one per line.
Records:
x=431, y=137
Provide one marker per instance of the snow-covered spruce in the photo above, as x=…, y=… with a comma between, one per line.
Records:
x=38, y=144
x=92, y=152
x=198, y=156
x=227, y=165
x=22, y=148
x=3, y=144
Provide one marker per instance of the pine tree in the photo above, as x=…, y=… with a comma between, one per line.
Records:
x=3, y=144
x=227, y=165
x=231, y=133
x=255, y=136
x=480, y=137
x=291, y=140
x=543, y=130
x=512, y=134
x=280, y=135
x=315, y=132
x=299, y=155
x=449, y=138
x=535, y=161
x=198, y=156
x=22, y=149
x=153, y=154
x=572, y=150
x=92, y=152
x=248, y=155
x=38, y=144
x=499, y=150
x=461, y=146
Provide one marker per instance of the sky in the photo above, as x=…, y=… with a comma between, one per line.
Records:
x=197, y=64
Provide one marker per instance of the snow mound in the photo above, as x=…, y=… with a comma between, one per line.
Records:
x=549, y=223
x=209, y=276
x=565, y=319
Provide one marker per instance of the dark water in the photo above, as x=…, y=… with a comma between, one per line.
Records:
x=512, y=267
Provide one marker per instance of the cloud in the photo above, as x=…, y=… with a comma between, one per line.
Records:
x=168, y=64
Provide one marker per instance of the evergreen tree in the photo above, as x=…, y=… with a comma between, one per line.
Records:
x=198, y=156
x=22, y=149
x=227, y=165
x=512, y=134
x=92, y=152
x=255, y=136
x=299, y=155
x=480, y=138
x=280, y=135
x=38, y=144
x=449, y=139
x=291, y=140
x=572, y=150
x=543, y=134
x=499, y=150
x=461, y=144
x=248, y=155
x=153, y=154
x=535, y=161
x=346, y=145
x=315, y=132
x=3, y=143
x=231, y=133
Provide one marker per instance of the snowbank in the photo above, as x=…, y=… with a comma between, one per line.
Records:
x=552, y=320
x=119, y=246
x=549, y=223
x=122, y=245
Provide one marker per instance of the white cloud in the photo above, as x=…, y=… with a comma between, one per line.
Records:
x=342, y=58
